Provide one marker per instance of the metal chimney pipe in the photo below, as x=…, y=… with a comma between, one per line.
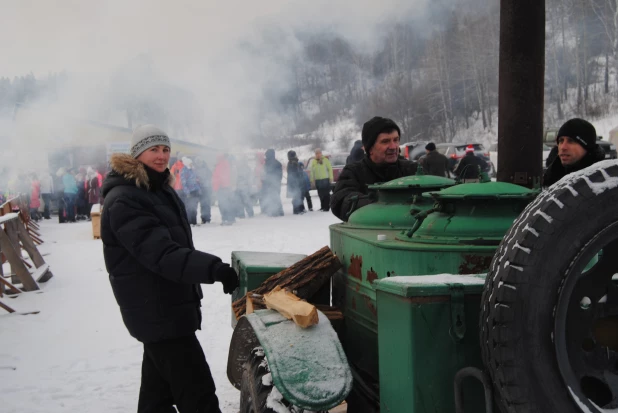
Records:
x=521, y=92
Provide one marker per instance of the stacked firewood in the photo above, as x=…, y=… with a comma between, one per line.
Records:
x=288, y=290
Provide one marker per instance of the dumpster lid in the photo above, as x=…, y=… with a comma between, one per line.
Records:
x=415, y=181
x=484, y=190
x=256, y=262
x=428, y=285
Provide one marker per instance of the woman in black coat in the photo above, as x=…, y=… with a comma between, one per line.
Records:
x=155, y=273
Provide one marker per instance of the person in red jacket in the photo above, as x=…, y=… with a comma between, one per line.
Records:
x=176, y=170
x=222, y=186
x=35, y=194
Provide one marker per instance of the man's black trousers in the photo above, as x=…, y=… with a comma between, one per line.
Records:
x=323, y=187
x=175, y=372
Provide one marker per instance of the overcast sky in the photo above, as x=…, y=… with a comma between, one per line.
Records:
x=95, y=36
x=192, y=43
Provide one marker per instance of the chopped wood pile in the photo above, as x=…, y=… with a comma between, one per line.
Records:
x=303, y=279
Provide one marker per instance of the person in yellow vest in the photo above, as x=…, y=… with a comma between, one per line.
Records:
x=321, y=177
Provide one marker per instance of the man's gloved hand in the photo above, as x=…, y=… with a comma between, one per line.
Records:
x=227, y=276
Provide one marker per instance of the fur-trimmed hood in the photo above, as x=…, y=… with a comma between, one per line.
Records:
x=131, y=171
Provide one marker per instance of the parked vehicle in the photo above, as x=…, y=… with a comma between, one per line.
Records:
x=493, y=154
x=455, y=151
x=412, y=151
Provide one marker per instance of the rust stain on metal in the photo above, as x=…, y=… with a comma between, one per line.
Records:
x=370, y=305
x=474, y=264
x=354, y=303
x=371, y=276
x=356, y=264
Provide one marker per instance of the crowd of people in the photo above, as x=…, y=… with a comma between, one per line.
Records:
x=72, y=191
x=232, y=185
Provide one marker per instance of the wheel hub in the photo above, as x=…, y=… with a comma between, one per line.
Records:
x=586, y=324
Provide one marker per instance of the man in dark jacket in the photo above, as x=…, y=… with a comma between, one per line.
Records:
x=470, y=166
x=156, y=272
x=356, y=154
x=577, y=149
x=270, y=201
x=380, y=164
x=295, y=184
x=434, y=163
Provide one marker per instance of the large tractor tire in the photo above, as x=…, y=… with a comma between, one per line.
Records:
x=549, y=316
x=257, y=392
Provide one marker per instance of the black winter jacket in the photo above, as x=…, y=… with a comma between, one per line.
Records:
x=296, y=181
x=154, y=270
x=556, y=170
x=469, y=165
x=434, y=163
x=351, y=191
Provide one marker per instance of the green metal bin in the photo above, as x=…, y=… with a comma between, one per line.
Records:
x=254, y=268
x=427, y=332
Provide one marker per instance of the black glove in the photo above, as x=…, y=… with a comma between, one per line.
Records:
x=227, y=276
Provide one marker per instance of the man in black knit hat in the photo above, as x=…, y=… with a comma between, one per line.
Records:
x=380, y=137
x=577, y=149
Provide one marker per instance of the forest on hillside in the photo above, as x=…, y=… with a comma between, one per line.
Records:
x=434, y=82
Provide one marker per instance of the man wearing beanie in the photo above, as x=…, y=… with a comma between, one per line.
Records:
x=380, y=137
x=577, y=149
x=434, y=163
x=155, y=273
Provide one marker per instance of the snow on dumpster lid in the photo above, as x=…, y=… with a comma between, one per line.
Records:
x=427, y=285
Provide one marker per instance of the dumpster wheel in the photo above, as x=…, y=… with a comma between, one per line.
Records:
x=549, y=315
x=257, y=392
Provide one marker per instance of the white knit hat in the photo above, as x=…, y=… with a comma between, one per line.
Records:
x=147, y=136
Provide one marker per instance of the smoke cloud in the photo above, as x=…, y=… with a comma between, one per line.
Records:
x=216, y=59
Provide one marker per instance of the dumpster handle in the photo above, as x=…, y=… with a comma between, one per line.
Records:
x=479, y=375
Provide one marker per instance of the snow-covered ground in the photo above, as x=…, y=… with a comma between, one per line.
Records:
x=76, y=355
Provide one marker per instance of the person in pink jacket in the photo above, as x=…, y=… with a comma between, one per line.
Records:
x=222, y=186
x=35, y=195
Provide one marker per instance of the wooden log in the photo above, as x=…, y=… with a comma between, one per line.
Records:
x=303, y=278
x=292, y=307
x=249, y=304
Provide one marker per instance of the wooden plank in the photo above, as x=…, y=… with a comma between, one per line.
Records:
x=8, y=217
x=291, y=307
x=6, y=307
x=10, y=286
x=29, y=246
x=37, y=240
x=33, y=231
x=2, y=258
x=42, y=273
x=17, y=265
